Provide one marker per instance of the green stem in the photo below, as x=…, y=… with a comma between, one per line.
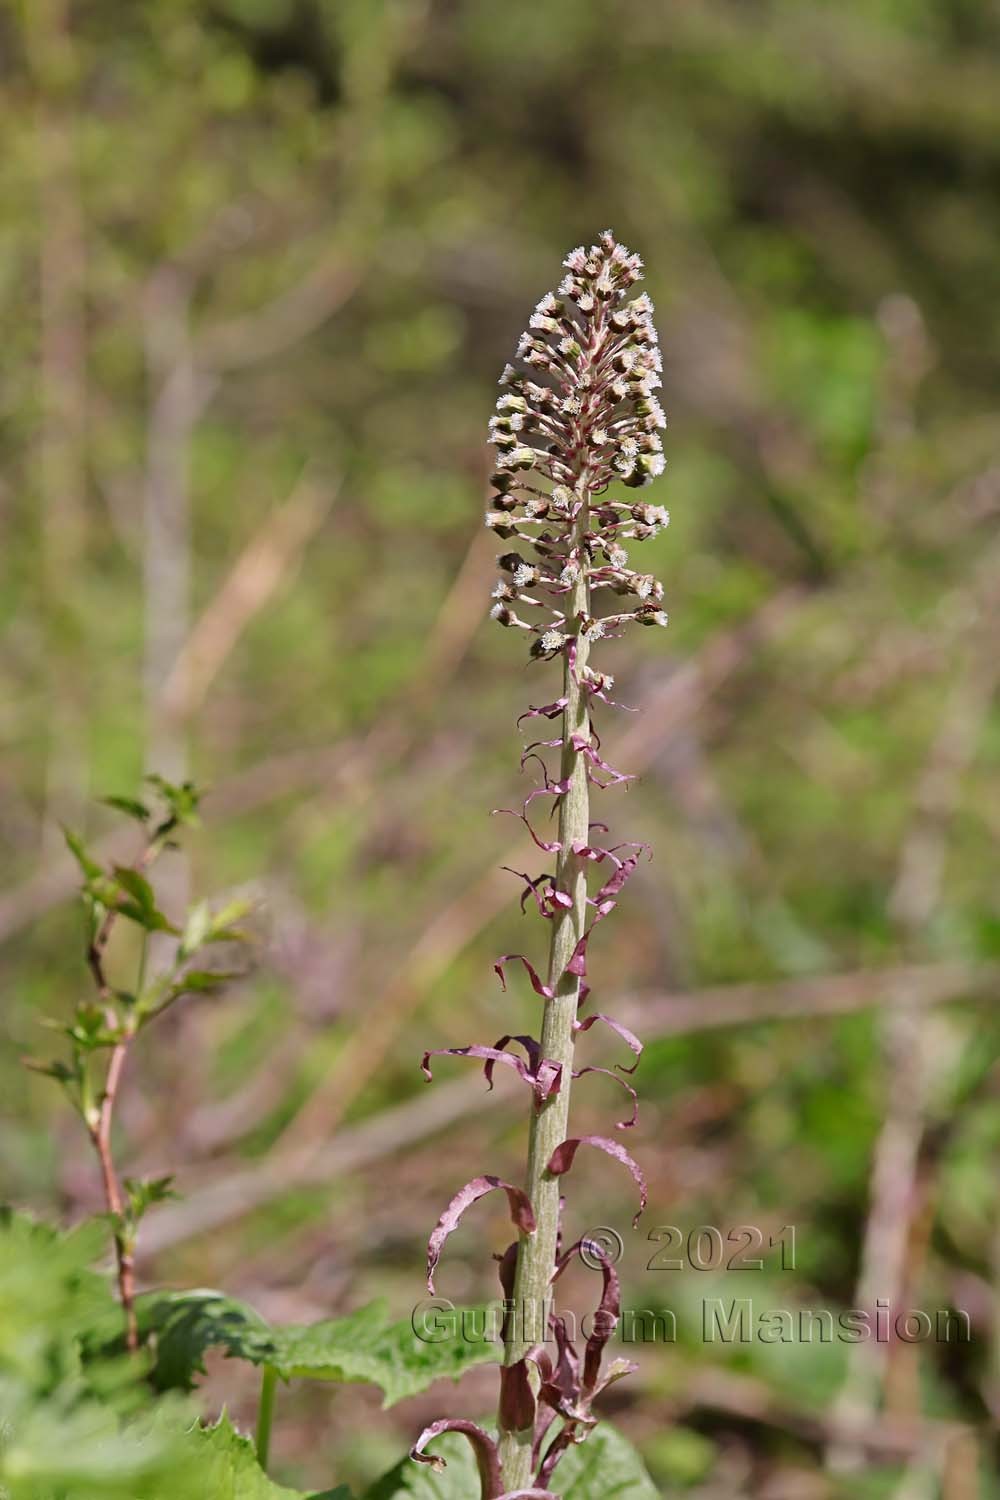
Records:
x=265, y=1413
x=549, y=1124
x=140, y=981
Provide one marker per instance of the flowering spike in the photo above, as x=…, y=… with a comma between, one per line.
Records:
x=588, y=408
x=577, y=419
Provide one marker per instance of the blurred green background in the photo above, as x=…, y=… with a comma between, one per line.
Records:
x=262, y=261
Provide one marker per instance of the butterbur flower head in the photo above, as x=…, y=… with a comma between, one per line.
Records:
x=589, y=421
x=575, y=433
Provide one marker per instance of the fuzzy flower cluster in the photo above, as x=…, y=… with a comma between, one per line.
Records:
x=582, y=414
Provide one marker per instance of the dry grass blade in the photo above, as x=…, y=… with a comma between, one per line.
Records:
x=264, y=564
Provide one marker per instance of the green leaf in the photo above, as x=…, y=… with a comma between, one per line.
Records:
x=47, y=1291
x=104, y=891
x=223, y=923
x=77, y=1423
x=84, y=1453
x=60, y=1071
x=81, y=854
x=361, y=1348
x=196, y=929
x=77, y=1449
x=188, y=1323
x=181, y=800
x=605, y=1467
x=130, y=806
x=203, y=926
x=196, y=980
x=143, y=1192
x=228, y=1469
x=162, y=993
x=142, y=907
x=136, y=885
x=89, y=1029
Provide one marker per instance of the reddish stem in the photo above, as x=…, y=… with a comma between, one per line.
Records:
x=100, y=1128
x=100, y=1135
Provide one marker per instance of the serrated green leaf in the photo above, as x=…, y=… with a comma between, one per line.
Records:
x=228, y=1469
x=84, y=1453
x=143, y=1192
x=181, y=800
x=361, y=1348
x=77, y=1449
x=75, y=1417
x=605, y=1467
x=187, y=1323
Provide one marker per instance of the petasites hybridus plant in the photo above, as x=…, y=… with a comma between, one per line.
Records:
x=582, y=416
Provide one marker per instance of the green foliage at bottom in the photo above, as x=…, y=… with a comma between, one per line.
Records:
x=362, y=1348
x=229, y=1470
x=77, y=1423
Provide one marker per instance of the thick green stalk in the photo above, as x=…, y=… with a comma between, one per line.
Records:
x=549, y=1124
x=265, y=1413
